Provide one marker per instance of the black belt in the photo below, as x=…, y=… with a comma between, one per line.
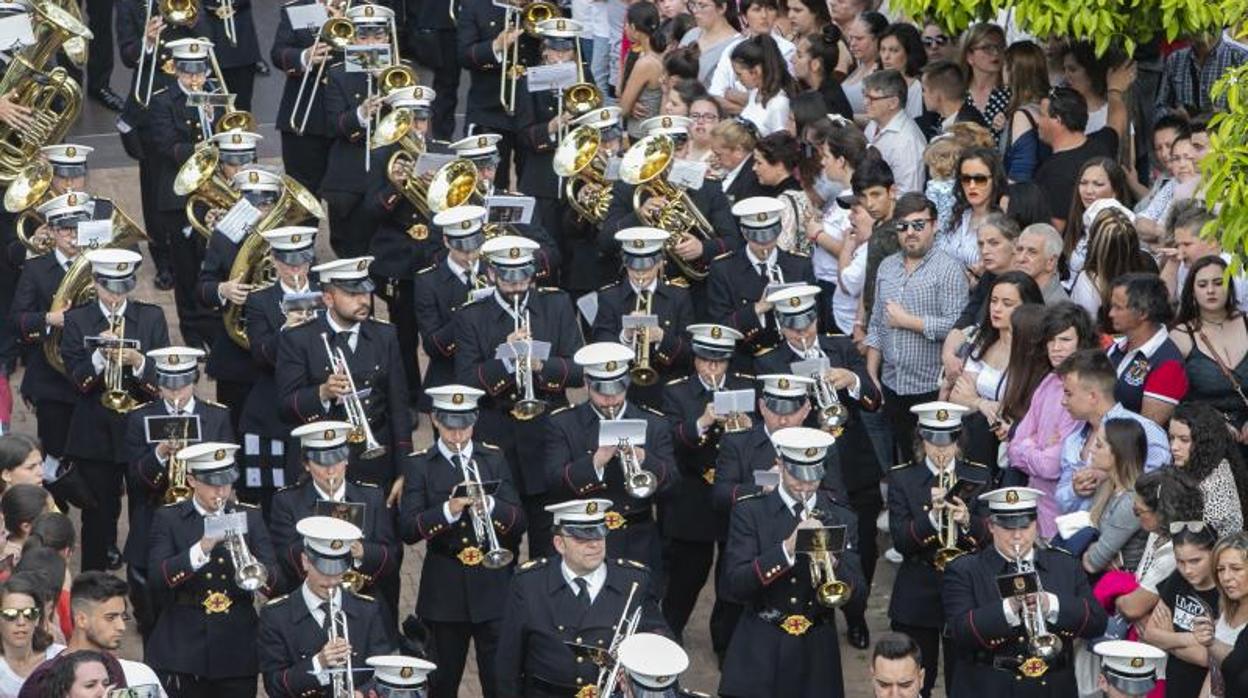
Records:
x=795, y=624
x=1020, y=664
x=540, y=684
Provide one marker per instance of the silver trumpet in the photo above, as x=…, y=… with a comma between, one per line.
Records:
x=638, y=483
x=249, y=573
x=342, y=681
x=833, y=415
x=609, y=672
x=496, y=556
x=528, y=406
x=361, y=432
x=1040, y=642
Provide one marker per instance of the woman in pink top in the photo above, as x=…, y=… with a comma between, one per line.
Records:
x=1035, y=445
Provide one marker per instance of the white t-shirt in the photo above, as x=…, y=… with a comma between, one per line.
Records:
x=724, y=78
x=770, y=117
x=11, y=683
x=845, y=300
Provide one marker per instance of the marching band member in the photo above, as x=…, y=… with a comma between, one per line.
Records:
x=431, y=42
x=348, y=108
x=741, y=280
x=577, y=464
x=441, y=288
x=1128, y=669
x=1021, y=644
x=149, y=470
x=584, y=267
x=69, y=173
x=304, y=153
x=96, y=433
x=917, y=496
x=575, y=597
x=786, y=641
x=462, y=592
x=377, y=556
x=691, y=527
x=171, y=133
x=292, y=250
x=513, y=313
x=644, y=291
x=204, y=642
x=232, y=30
x=652, y=666
x=397, y=676
x=311, y=387
x=319, y=635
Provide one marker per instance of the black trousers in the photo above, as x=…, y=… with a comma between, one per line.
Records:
x=349, y=229
x=400, y=298
x=541, y=540
x=897, y=407
x=187, y=686
x=445, y=84
x=186, y=254
x=52, y=420
x=688, y=564
x=99, y=48
x=929, y=641
x=99, y=523
x=724, y=614
x=142, y=600
x=305, y=157
x=158, y=235
x=450, y=647
x=233, y=394
x=867, y=504
x=240, y=80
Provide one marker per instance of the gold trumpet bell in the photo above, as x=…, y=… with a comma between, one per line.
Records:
x=236, y=120
x=338, y=32
x=945, y=556
x=117, y=401
x=536, y=12
x=525, y=410
x=577, y=150
x=197, y=170
x=392, y=127
x=833, y=594
x=396, y=77
x=581, y=98
x=176, y=494
x=646, y=160
x=179, y=13
x=644, y=375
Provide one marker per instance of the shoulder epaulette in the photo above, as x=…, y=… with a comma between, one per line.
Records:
x=141, y=405
x=1041, y=545
x=977, y=465
x=283, y=488
x=678, y=381
x=565, y=408
x=805, y=255
x=751, y=495
x=214, y=403
x=361, y=483
x=421, y=452
x=653, y=411
x=426, y=270
x=678, y=282
x=611, y=285
x=163, y=89
x=276, y=601
x=247, y=505
x=487, y=444
x=625, y=562
x=722, y=255
x=744, y=376
x=358, y=595
x=834, y=334
x=902, y=466
x=532, y=564
x=380, y=321
x=549, y=289
x=764, y=351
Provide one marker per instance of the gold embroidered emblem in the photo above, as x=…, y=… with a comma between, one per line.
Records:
x=217, y=602
x=470, y=556
x=796, y=625
x=615, y=521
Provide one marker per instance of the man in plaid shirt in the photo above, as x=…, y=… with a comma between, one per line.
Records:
x=1189, y=74
x=919, y=294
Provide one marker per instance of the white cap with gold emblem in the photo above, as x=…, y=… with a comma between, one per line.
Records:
x=604, y=117
x=292, y=244
x=1012, y=507
x=114, y=264
x=460, y=221
x=455, y=406
x=939, y=422
x=349, y=274
x=1130, y=667
x=581, y=518
x=506, y=251
x=714, y=342
x=641, y=241
x=477, y=146
x=237, y=141
x=176, y=367
x=256, y=179
x=793, y=303
x=399, y=672
x=784, y=393
x=667, y=125
x=66, y=153
x=652, y=661
x=603, y=361
x=327, y=542
x=324, y=442
x=210, y=462
x=189, y=49
x=803, y=450
x=66, y=210
x=758, y=211
x=370, y=14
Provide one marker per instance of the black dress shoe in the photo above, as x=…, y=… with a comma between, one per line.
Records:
x=262, y=68
x=114, y=558
x=859, y=636
x=164, y=280
x=111, y=100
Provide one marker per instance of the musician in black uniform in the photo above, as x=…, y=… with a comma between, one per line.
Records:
x=204, y=643
x=441, y=288
x=847, y=390
x=577, y=465
x=232, y=29
x=740, y=281
x=431, y=43
x=305, y=144
x=398, y=676
x=295, y=647
x=148, y=483
x=275, y=461
x=503, y=321
x=576, y=597
x=644, y=291
x=171, y=133
x=96, y=433
x=690, y=525
x=651, y=665
x=348, y=108
x=585, y=267
x=918, y=506
x=463, y=583
x=69, y=173
x=1128, y=669
x=378, y=556
x=311, y=387
x=990, y=638
x=402, y=242
x=786, y=641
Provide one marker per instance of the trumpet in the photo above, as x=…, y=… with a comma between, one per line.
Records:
x=342, y=681
x=175, y=13
x=116, y=398
x=528, y=406
x=496, y=557
x=948, y=528
x=361, y=432
x=249, y=573
x=642, y=373
x=178, y=490
x=1041, y=644
x=833, y=415
x=645, y=166
x=609, y=672
x=829, y=591
x=638, y=483
x=337, y=33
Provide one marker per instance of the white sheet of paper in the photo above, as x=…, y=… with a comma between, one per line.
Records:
x=16, y=31
x=766, y=478
x=363, y=58
x=629, y=322
x=541, y=78
x=219, y=526
x=503, y=209
x=251, y=444
x=279, y=478
x=277, y=447
x=430, y=162
x=612, y=173
x=809, y=367
x=540, y=350
x=94, y=234
x=307, y=16
x=612, y=431
x=481, y=293
x=588, y=305
x=240, y=219
x=728, y=401
x=687, y=174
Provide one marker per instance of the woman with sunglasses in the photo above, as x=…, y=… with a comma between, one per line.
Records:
x=1230, y=559
x=1201, y=446
x=937, y=42
x=24, y=642
x=977, y=192
x=1189, y=592
x=983, y=48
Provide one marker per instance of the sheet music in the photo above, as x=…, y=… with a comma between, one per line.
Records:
x=309, y=17
x=687, y=174
x=16, y=31
x=543, y=78
x=612, y=431
x=94, y=234
x=729, y=401
x=220, y=526
x=238, y=221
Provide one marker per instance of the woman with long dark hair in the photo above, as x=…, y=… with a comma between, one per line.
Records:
x=1026, y=73
x=24, y=643
x=1189, y=587
x=978, y=186
x=814, y=66
x=1098, y=178
x=760, y=68
x=21, y=460
x=643, y=70
x=1114, y=250
x=1201, y=446
x=863, y=35
x=20, y=505
x=901, y=49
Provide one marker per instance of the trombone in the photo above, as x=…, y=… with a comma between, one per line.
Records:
x=361, y=432
x=829, y=591
x=338, y=33
x=642, y=372
x=496, y=557
x=342, y=681
x=528, y=406
x=948, y=529
x=525, y=15
x=116, y=398
x=638, y=483
x=175, y=13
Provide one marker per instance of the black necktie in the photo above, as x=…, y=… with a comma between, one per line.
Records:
x=798, y=508
x=582, y=591
x=458, y=462
x=326, y=621
x=762, y=269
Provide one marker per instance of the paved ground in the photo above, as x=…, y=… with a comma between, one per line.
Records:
x=115, y=176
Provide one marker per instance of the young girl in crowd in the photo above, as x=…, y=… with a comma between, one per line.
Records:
x=1187, y=594
x=761, y=70
x=1118, y=450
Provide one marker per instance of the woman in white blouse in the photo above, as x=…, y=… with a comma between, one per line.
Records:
x=761, y=69
x=25, y=642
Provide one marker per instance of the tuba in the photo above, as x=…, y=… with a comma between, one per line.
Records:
x=577, y=160
x=77, y=286
x=30, y=189
x=199, y=182
x=645, y=166
x=52, y=96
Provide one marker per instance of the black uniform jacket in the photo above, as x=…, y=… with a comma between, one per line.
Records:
x=454, y=586
x=207, y=624
x=709, y=199
x=543, y=615
x=263, y=312
x=31, y=301
x=742, y=453
x=674, y=309
x=148, y=478
x=688, y=514
x=227, y=361
x=344, y=172
x=244, y=53
x=477, y=24
x=95, y=432
x=439, y=292
x=173, y=130
x=735, y=285
x=287, y=56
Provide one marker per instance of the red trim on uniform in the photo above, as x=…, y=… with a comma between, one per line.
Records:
x=759, y=572
x=441, y=349
x=680, y=433
x=914, y=533
x=421, y=529
x=294, y=404
x=385, y=557
x=970, y=619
